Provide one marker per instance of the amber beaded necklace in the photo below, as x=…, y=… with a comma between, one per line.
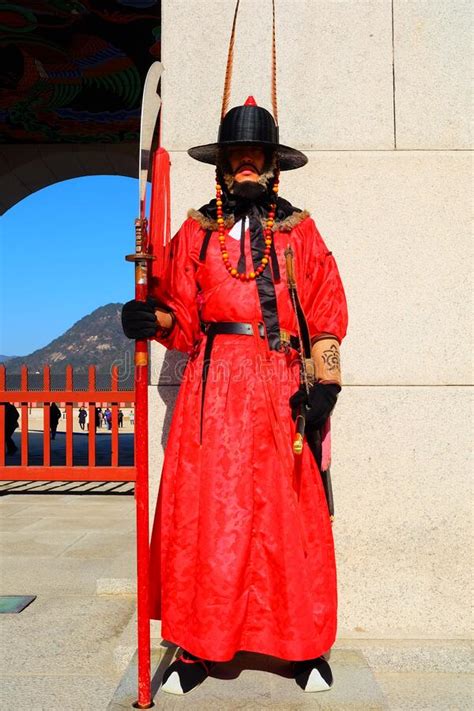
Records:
x=245, y=276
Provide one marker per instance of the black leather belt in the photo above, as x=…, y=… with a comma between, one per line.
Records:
x=236, y=328
x=233, y=328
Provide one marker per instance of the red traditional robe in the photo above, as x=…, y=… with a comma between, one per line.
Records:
x=242, y=553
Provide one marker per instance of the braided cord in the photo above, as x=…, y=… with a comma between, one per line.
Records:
x=274, y=68
x=230, y=65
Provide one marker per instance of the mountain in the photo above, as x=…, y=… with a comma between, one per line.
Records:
x=4, y=359
x=97, y=339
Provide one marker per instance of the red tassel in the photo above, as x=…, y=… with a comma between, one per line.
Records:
x=160, y=211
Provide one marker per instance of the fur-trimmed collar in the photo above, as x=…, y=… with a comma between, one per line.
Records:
x=286, y=225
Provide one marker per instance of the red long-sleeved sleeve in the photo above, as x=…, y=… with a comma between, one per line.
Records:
x=320, y=286
x=178, y=291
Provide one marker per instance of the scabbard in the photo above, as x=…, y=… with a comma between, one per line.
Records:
x=313, y=436
x=314, y=440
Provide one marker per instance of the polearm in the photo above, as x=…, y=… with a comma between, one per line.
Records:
x=149, y=116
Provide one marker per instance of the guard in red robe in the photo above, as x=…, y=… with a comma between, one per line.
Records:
x=242, y=553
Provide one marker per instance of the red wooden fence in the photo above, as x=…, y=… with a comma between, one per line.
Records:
x=68, y=397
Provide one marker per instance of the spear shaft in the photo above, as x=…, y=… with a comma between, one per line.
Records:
x=142, y=258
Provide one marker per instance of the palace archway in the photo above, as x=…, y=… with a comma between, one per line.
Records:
x=73, y=79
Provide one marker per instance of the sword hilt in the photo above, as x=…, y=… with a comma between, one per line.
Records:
x=141, y=242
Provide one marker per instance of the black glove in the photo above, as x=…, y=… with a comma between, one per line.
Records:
x=138, y=318
x=317, y=404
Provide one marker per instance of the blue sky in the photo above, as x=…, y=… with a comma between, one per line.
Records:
x=62, y=255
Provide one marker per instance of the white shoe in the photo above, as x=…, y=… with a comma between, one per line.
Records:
x=313, y=675
x=185, y=674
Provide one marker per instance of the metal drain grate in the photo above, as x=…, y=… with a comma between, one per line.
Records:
x=15, y=603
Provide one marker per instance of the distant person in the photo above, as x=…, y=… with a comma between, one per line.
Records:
x=82, y=417
x=132, y=417
x=11, y=423
x=120, y=418
x=54, y=417
x=108, y=418
x=98, y=417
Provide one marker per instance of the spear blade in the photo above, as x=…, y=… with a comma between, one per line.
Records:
x=151, y=103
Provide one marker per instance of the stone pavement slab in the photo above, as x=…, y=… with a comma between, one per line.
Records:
x=116, y=522
x=414, y=655
x=45, y=544
x=99, y=545
x=72, y=574
x=14, y=523
x=55, y=693
x=62, y=634
x=69, y=505
x=254, y=681
x=427, y=692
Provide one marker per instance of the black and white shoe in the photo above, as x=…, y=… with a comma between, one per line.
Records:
x=185, y=673
x=313, y=674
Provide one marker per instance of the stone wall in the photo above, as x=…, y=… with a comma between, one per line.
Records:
x=377, y=94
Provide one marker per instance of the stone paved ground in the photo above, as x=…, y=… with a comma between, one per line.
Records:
x=69, y=648
x=59, y=652
x=252, y=682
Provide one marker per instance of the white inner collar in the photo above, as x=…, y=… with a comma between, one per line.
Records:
x=237, y=228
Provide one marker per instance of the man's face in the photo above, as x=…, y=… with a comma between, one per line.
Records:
x=246, y=162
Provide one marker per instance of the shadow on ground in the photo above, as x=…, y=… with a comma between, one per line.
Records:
x=103, y=444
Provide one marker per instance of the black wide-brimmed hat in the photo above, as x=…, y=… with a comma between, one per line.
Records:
x=249, y=125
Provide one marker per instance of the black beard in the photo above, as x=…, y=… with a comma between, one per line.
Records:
x=248, y=190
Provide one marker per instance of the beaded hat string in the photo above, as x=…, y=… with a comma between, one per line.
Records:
x=268, y=233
